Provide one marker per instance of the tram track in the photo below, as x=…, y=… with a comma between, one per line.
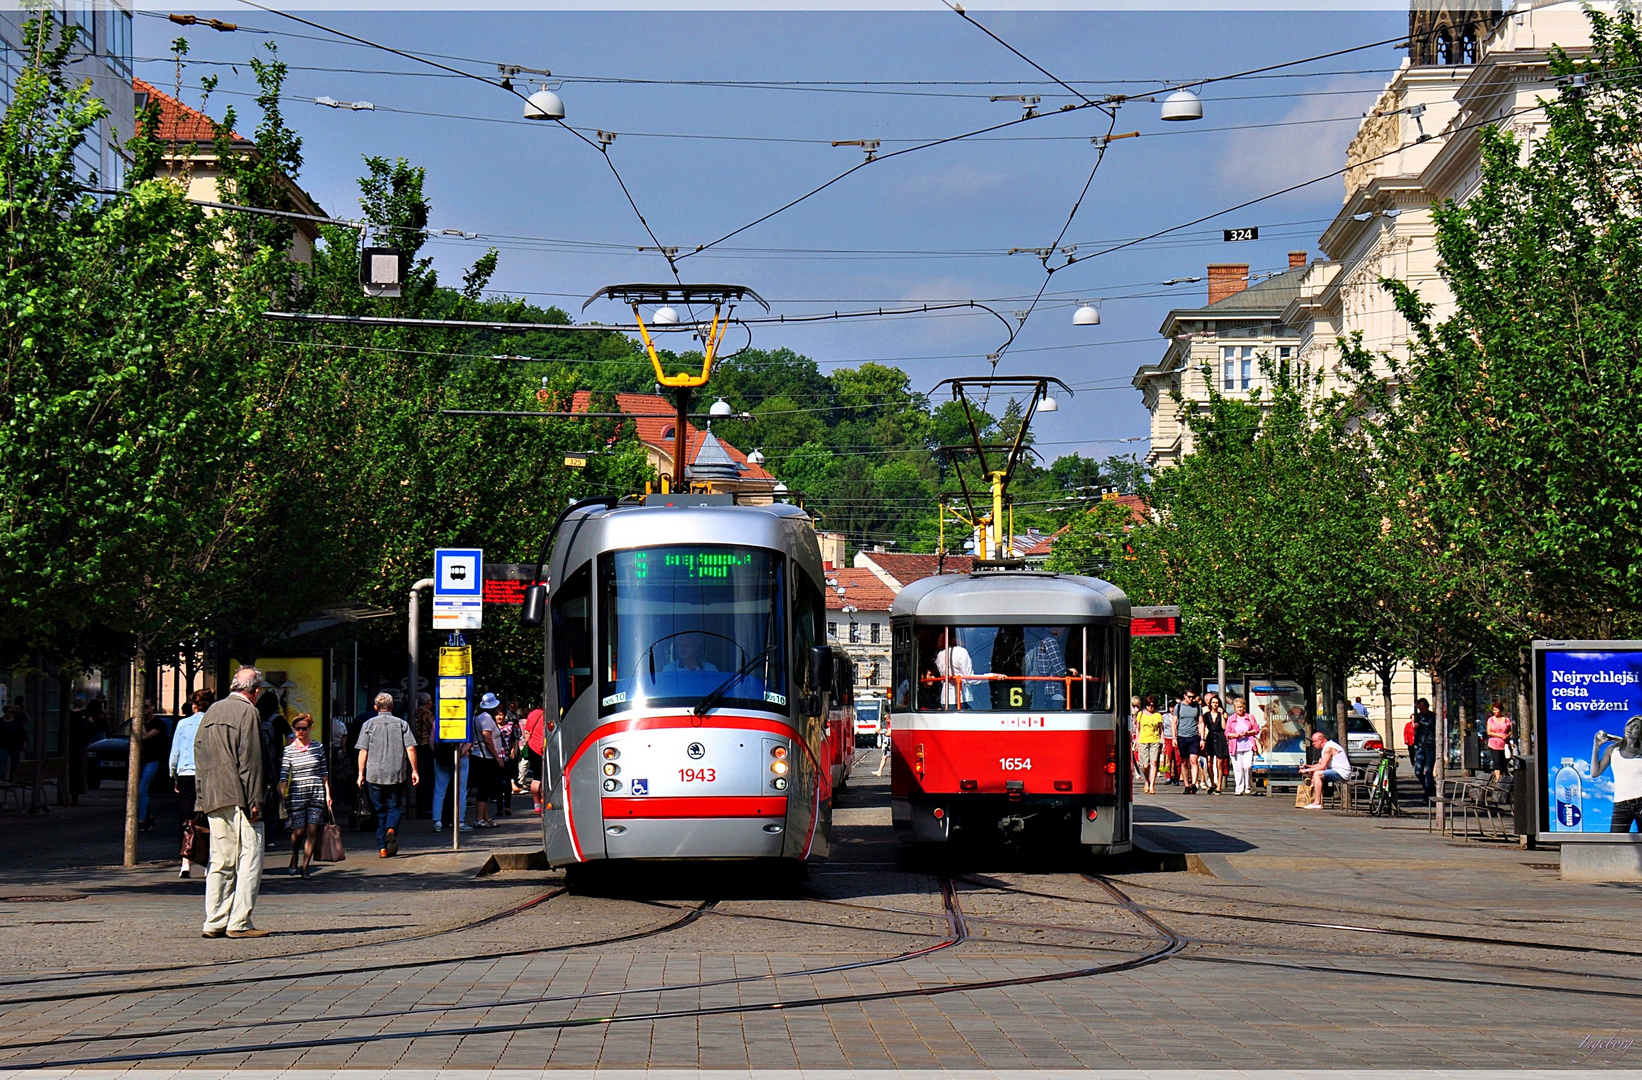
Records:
x=679, y=923
x=403, y=939
x=957, y=934
x=1171, y=945
x=1359, y=972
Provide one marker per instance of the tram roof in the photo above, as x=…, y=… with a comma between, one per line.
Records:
x=691, y=520
x=1010, y=597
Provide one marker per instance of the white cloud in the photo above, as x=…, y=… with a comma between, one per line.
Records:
x=1263, y=159
x=953, y=186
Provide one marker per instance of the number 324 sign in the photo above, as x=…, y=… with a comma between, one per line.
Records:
x=1233, y=235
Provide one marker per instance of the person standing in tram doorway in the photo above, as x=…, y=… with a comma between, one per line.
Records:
x=883, y=743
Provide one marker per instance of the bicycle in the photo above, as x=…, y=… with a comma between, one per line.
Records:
x=1382, y=786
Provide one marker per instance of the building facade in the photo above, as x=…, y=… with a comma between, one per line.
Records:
x=713, y=465
x=858, y=604
x=102, y=56
x=1219, y=347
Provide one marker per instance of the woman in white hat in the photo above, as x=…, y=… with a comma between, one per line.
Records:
x=485, y=763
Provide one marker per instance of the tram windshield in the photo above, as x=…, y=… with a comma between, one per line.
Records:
x=683, y=622
x=1014, y=668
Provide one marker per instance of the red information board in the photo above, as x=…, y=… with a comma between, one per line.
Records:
x=505, y=583
x=1161, y=620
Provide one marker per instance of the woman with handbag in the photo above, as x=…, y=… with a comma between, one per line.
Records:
x=307, y=789
x=181, y=767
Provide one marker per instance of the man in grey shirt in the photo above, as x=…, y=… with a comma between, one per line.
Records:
x=228, y=786
x=1188, y=734
x=387, y=755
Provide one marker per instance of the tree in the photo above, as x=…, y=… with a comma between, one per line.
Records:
x=1521, y=457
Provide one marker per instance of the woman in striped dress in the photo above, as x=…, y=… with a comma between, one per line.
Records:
x=307, y=788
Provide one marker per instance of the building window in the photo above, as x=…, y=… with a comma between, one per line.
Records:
x=855, y=632
x=877, y=629
x=1236, y=367
x=119, y=39
x=832, y=631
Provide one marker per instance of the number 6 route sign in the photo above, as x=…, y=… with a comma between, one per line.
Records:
x=458, y=588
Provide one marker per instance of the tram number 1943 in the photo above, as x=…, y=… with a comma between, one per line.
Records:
x=1015, y=764
x=690, y=776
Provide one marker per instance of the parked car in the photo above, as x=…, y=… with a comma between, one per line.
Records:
x=1359, y=734
x=106, y=759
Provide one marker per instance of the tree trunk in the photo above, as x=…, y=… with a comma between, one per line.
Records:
x=37, y=797
x=134, y=755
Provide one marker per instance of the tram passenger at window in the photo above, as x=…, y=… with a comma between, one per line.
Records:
x=956, y=669
x=1046, y=665
x=687, y=655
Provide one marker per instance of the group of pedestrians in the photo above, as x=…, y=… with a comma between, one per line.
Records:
x=1195, y=744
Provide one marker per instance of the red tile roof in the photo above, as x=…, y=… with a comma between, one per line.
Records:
x=178, y=122
x=862, y=590
x=654, y=419
x=905, y=568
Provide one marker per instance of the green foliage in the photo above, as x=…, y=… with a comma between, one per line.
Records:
x=1519, y=456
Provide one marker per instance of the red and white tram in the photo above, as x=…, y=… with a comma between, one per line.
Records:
x=1009, y=706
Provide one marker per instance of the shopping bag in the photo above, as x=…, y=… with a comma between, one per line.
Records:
x=196, y=847
x=330, y=841
x=1302, y=794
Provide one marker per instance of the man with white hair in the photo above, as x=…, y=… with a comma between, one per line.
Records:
x=229, y=785
x=387, y=754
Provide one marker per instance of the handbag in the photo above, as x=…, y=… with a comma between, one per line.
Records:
x=330, y=841
x=196, y=841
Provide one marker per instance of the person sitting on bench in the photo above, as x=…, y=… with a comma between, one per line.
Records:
x=1332, y=764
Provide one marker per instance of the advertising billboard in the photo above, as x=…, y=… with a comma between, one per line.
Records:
x=1588, y=716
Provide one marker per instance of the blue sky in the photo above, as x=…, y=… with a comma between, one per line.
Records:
x=933, y=225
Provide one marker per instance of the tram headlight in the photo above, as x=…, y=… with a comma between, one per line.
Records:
x=779, y=753
x=611, y=753
x=779, y=783
x=611, y=768
x=612, y=785
x=779, y=768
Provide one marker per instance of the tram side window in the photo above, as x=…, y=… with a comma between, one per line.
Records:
x=807, y=613
x=573, y=636
x=1102, y=668
x=901, y=668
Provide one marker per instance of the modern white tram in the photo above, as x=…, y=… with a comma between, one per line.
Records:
x=689, y=690
x=1009, y=710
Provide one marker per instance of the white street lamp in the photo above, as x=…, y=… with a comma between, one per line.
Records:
x=1086, y=315
x=720, y=409
x=1182, y=105
x=1048, y=404
x=665, y=316
x=544, y=104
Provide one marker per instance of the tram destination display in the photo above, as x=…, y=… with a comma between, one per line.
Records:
x=1588, y=726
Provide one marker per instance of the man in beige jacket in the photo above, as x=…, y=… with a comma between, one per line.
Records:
x=229, y=782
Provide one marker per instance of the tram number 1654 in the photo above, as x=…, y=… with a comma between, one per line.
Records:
x=1015, y=764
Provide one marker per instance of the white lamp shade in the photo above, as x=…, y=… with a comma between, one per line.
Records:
x=544, y=105
x=1086, y=316
x=720, y=408
x=1182, y=105
x=666, y=316
x=1049, y=404
x=756, y=457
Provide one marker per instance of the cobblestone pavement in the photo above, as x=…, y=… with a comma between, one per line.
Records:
x=1297, y=940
